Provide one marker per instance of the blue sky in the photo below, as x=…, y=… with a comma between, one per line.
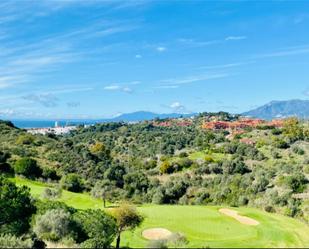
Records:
x=96, y=59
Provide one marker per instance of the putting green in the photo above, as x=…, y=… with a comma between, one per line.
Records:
x=207, y=227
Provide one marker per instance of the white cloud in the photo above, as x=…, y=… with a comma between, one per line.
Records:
x=228, y=65
x=286, y=52
x=192, y=79
x=47, y=100
x=195, y=43
x=235, y=38
x=167, y=87
x=177, y=106
x=161, y=49
x=118, y=88
x=138, y=56
x=136, y=82
x=112, y=87
x=127, y=89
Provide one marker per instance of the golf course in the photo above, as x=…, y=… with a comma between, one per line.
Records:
x=202, y=226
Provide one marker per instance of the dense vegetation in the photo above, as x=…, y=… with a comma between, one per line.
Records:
x=148, y=163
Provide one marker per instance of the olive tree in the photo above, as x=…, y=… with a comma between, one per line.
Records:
x=127, y=218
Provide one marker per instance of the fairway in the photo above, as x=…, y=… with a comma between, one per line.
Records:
x=77, y=200
x=203, y=226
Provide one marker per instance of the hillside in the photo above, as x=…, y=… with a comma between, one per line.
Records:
x=281, y=109
x=169, y=162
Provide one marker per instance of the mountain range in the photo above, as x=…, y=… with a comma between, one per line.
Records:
x=281, y=109
x=272, y=110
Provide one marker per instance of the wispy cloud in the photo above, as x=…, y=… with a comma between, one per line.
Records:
x=235, y=38
x=285, y=52
x=73, y=104
x=47, y=100
x=43, y=54
x=228, y=65
x=118, y=88
x=195, y=43
x=161, y=49
x=167, y=87
x=191, y=79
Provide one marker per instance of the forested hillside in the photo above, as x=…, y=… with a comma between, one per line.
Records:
x=173, y=161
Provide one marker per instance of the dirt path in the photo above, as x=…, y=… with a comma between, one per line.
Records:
x=242, y=219
x=156, y=234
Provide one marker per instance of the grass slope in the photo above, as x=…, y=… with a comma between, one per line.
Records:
x=77, y=200
x=203, y=226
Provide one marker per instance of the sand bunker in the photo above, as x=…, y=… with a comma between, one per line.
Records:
x=242, y=219
x=156, y=234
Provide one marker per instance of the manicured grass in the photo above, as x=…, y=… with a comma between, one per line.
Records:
x=206, y=227
x=77, y=200
x=203, y=226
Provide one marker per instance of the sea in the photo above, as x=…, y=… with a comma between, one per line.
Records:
x=27, y=124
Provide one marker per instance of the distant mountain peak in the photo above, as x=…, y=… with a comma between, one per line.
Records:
x=281, y=109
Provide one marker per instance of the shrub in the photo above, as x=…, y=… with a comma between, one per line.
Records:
x=306, y=169
x=6, y=168
x=16, y=208
x=4, y=156
x=235, y=166
x=296, y=182
x=157, y=244
x=136, y=182
x=72, y=182
x=53, y=225
x=183, y=154
x=50, y=174
x=276, y=131
x=184, y=163
x=25, y=139
x=275, y=154
x=177, y=240
x=11, y=241
x=209, y=159
x=28, y=167
x=50, y=193
x=96, y=229
x=269, y=209
x=166, y=168
x=297, y=150
x=280, y=143
x=44, y=206
x=158, y=197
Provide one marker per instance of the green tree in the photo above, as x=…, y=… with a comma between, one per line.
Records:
x=115, y=174
x=297, y=182
x=127, y=218
x=16, y=208
x=102, y=190
x=28, y=167
x=293, y=129
x=54, y=225
x=96, y=229
x=72, y=182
